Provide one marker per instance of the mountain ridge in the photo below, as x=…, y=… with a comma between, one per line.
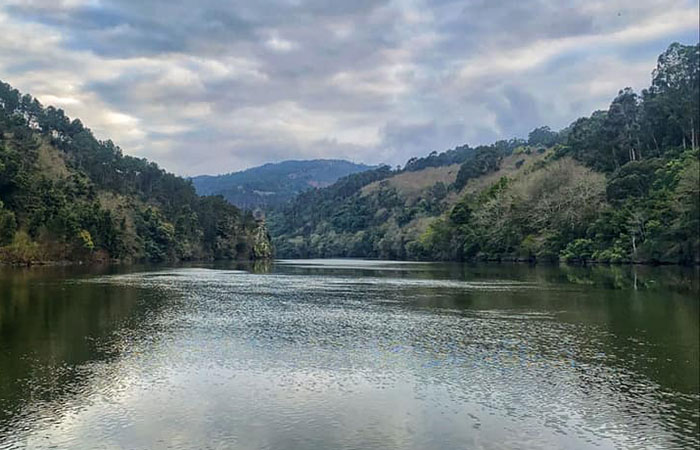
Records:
x=273, y=184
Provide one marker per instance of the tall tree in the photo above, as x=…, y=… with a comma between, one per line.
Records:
x=621, y=128
x=675, y=93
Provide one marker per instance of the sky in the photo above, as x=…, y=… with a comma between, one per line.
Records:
x=205, y=86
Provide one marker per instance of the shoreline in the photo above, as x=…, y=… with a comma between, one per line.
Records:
x=519, y=261
x=68, y=263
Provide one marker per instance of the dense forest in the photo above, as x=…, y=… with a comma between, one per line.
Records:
x=619, y=186
x=64, y=195
x=274, y=184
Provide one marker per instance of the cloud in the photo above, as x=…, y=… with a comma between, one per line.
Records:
x=399, y=139
x=210, y=86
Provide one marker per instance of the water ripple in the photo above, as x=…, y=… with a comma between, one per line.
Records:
x=240, y=360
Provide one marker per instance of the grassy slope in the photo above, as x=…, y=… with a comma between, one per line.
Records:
x=412, y=184
x=510, y=167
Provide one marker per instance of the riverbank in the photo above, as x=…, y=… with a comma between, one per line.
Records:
x=491, y=260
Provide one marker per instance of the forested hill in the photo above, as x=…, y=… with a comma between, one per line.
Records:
x=64, y=195
x=619, y=186
x=275, y=183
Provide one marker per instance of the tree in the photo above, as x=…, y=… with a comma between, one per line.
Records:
x=66, y=194
x=587, y=142
x=676, y=87
x=542, y=136
x=621, y=128
x=484, y=160
x=8, y=225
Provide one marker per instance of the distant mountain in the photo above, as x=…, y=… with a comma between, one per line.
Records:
x=275, y=183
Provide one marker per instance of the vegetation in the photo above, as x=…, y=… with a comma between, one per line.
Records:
x=619, y=186
x=64, y=195
x=275, y=184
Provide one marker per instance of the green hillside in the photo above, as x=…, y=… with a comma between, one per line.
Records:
x=64, y=195
x=275, y=183
x=619, y=186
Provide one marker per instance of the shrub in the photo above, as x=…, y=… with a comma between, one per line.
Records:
x=579, y=250
x=22, y=250
x=8, y=225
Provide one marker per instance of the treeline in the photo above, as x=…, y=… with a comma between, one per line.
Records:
x=619, y=186
x=64, y=195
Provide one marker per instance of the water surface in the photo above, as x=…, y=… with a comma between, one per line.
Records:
x=345, y=354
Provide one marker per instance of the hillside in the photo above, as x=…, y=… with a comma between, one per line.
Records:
x=619, y=186
x=64, y=195
x=275, y=183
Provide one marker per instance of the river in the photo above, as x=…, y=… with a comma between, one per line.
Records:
x=347, y=354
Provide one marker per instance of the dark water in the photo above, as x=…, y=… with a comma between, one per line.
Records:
x=349, y=355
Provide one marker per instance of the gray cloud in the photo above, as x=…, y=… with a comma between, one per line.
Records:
x=215, y=86
x=402, y=139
